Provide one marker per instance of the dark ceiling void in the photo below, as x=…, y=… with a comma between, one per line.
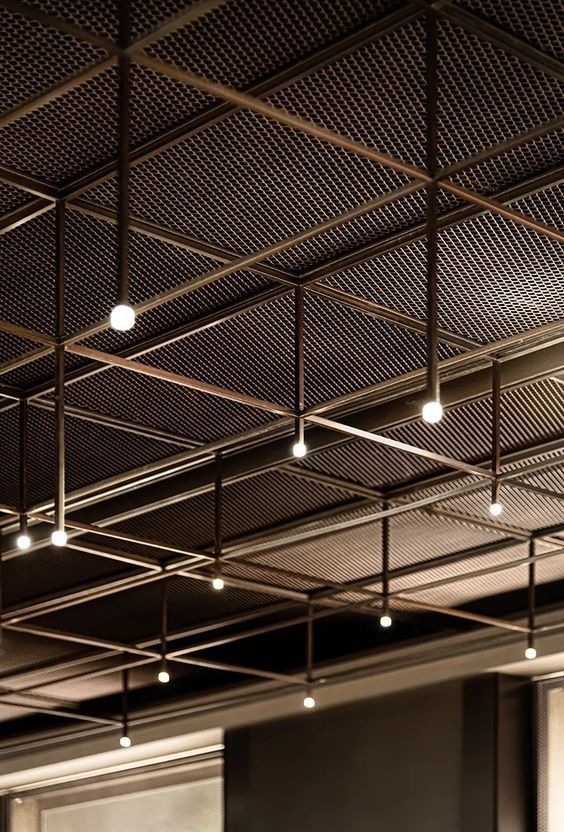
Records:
x=281, y=358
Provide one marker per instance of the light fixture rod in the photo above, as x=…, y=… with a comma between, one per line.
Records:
x=433, y=391
x=60, y=369
x=299, y=362
x=125, y=702
x=124, y=68
x=164, y=618
x=385, y=564
x=531, y=593
x=23, y=473
x=309, y=644
x=496, y=429
x=218, y=512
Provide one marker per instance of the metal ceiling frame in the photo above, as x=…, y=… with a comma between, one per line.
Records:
x=251, y=100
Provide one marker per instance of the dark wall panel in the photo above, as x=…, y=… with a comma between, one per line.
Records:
x=425, y=760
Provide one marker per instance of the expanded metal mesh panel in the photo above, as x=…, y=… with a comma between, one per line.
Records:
x=495, y=279
x=99, y=16
x=545, y=206
x=517, y=165
x=11, y=197
x=79, y=130
x=244, y=40
x=155, y=403
x=91, y=274
x=260, y=502
x=369, y=464
x=507, y=581
x=521, y=509
x=36, y=574
x=21, y=652
x=11, y=346
x=10, y=457
x=356, y=552
x=527, y=415
x=247, y=182
x=464, y=433
x=475, y=109
x=27, y=283
x=136, y=614
x=538, y=23
x=35, y=58
x=40, y=370
x=550, y=477
x=380, y=225
x=387, y=76
x=92, y=453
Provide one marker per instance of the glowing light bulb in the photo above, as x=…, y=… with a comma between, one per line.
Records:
x=299, y=449
x=59, y=537
x=23, y=541
x=530, y=653
x=122, y=317
x=163, y=677
x=385, y=621
x=125, y=741
x=309, y=701
x=218, y=583
x=495, y=509
x=432, y=412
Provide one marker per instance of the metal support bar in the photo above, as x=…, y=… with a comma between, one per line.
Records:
x=400, y=446
x=531, y=594
x=175, y=378
x=124, y=68
x=299, y=399
x=496, y=430
x=433, y=393
x=60, y=369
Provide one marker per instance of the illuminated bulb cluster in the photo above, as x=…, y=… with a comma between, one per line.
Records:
x=59, y=537
x=495, y=509
x=23, y=541
x=385, y=621
x=125, y=741
x=122, y=317
x=432, y=412
x=163, y=677
x=309, y=701
x=530, y=653
x=218, y=582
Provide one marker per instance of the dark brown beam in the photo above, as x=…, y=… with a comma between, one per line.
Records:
x=119, y=424
x=24, y=213
x=175, y=378
x=27, y=182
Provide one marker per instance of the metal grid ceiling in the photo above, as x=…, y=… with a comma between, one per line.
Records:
x=211, y=177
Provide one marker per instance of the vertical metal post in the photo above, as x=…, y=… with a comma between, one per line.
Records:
x=496, y=429
x=299, y=364
x=309, y=644
x=218, y=516
x=124, y=65
x=433, y=390
x=125, y=703
x=23, y=473
x=60, y=369
x=531, y=593
x=164, y=623
x=385, y=565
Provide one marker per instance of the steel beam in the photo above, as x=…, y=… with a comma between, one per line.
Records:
x=24, y=213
